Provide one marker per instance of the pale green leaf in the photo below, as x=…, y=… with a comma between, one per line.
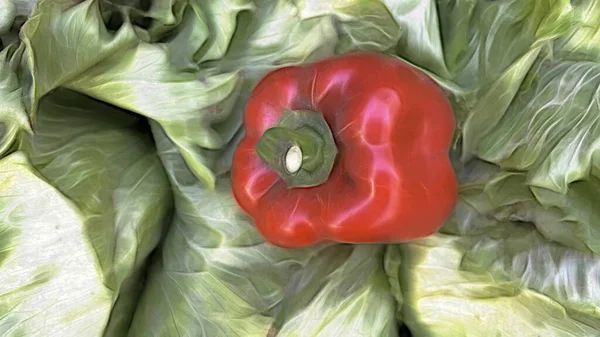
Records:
x=96, y=156
x=13, y=117
x=362, y=25
x=8, y=12
x=507, y=282
x=191, y=108
x=49, y=284
x=64, y=39
x=552, y=129
x=205, y=32
x=420, y=35
x=344, y=292
x=583, y=40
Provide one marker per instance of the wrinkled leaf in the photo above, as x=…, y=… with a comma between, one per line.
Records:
x=95, y=155
x=191, y=108
x=552, y=129
x=362, y=25
x=343, y=291
x=508, y=282
x=488, y=47
x=49, y=284
x=420, y=35
x=512, y=261
x=13, y=117
x=582, y=41
x=571, y=219
x=205, y=32
x=75, y=36
x=8, y=13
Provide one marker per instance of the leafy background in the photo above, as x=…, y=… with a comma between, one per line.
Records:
x=118, y=120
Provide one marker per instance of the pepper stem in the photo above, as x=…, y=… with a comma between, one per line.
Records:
x=300, y=148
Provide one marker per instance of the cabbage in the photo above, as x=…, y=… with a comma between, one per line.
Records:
x=118, y=121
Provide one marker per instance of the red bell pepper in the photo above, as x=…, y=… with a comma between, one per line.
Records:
x=350, y=149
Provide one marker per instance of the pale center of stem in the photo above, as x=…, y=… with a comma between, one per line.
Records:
x=293, y=159
x=300, y=148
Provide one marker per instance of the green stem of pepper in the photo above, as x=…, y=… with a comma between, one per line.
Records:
x=300, y=148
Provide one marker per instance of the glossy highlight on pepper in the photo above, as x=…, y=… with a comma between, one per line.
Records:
x=391, y=179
